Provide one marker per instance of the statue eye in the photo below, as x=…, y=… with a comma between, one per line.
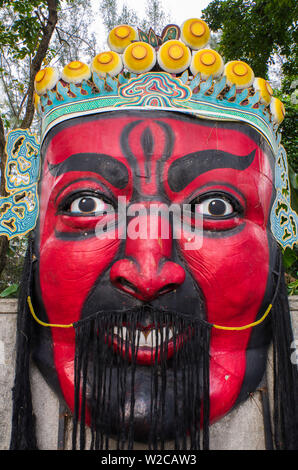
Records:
x=214, y=206
x=87, y=205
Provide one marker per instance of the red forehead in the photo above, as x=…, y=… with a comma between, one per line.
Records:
x=104, y=135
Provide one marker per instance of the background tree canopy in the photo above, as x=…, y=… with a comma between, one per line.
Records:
x=263, y=33
x=256, y=30
x=32, y=33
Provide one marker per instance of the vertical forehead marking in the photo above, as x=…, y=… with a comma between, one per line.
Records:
x=146, y=144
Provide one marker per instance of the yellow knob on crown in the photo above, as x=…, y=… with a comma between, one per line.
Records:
x=174, y=56
x=278, y=111
x=121, y=36
x=239, y=73
x=107, y=63
x=240, y=69
x=176, y=52
x=122, y=32
x=75, y=72
x=264, y=89
x=207, y=62
x=197, y=28
x=139, y=51
x=45, y=80
x=139, y=57
x=195, y=33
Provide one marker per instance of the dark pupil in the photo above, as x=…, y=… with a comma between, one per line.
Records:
x=87, y=204
x=217, y=207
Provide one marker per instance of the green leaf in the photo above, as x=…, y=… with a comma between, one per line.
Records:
x=293, y=288
x=289, y=258
x=293, y=178
x=294, y=188
x=9, y=290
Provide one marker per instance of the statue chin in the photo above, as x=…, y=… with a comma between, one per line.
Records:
x=148, y=411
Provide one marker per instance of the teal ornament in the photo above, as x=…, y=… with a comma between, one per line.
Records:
x=19, y=209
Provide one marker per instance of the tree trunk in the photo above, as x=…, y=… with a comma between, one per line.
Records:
x=29, y=113
x=3, y=239
x=38, y=59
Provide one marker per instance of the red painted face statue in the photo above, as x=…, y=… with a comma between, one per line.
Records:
x=93, y=263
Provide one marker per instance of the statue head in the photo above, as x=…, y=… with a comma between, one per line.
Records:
x=154, y=267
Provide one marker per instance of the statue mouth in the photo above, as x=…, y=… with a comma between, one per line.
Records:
x=139, y=371
x=147, y=344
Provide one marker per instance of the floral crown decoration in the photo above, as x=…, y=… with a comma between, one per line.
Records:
x=176, y=71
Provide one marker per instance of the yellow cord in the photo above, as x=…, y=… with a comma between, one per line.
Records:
x=43, y=323
x=219, y=327
x=237, y=328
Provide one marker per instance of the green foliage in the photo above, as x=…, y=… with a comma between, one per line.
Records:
x=254, y=30
x=293, y=287
x=23, y=33
x=11, y=275
x=290, y=261
x=9, y=291
x=289, y=130
x=290, y=258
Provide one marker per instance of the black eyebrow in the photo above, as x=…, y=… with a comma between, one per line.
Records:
x=185, y=169
x=109, y=168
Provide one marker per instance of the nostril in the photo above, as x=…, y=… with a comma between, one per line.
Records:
x=168, y=288
x=146, y=280
x=126, y=285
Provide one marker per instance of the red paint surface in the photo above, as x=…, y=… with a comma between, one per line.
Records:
x=225, y=267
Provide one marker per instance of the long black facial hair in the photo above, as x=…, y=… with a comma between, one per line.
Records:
x=23, y=432
x=107, y=375
x=285, y=369
x=92, y=334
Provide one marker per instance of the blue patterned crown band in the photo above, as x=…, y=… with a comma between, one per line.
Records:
x=176, y=71
x=206, y=98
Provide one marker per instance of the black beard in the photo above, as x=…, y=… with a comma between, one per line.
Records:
x=167, y=399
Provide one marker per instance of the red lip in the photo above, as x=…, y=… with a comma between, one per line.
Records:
x=148, y=354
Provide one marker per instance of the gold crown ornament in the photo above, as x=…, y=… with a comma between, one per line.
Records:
x=107, y=63
x=176, y=71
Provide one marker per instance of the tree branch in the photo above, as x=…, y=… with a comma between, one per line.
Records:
x=37, y=60
x=3, y=239
x=73, y=35
x=27, y=120
x=2, y=159
x=11, y=104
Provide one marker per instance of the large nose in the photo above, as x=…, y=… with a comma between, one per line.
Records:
x=147, y=271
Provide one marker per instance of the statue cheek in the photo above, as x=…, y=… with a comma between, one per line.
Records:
x=68, y=271
x=225, y=275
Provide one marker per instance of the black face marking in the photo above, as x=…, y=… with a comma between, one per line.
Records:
x=185, y=169
x=170, y=139
x=17, y=145
x=147, y=144
x=75, y=236
x=108, y=167
x=148, y=148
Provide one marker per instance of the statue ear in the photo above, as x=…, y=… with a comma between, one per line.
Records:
x=23, y=435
